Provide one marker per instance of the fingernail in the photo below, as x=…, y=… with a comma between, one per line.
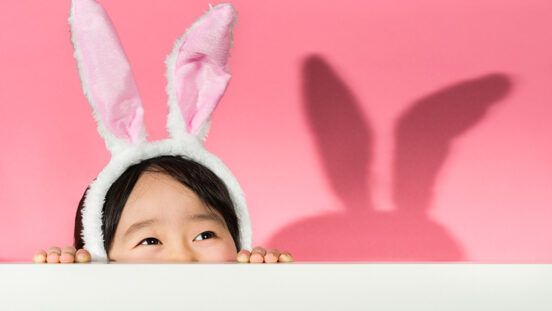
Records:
x=82, y=256
x=286, y=257
x=53, y=258
x=271, y=258
x=66, y=258
x=243, y=258
x=39, y=256
x=256, y=258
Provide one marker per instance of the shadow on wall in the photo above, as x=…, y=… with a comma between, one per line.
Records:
x=423, y=136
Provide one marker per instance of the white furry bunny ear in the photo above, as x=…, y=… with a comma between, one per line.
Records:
x=106, y=76
x=197, y=72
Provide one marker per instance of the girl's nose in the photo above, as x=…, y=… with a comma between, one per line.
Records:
x=180, y=254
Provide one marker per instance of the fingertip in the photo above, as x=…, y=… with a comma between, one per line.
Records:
x=82, y=256
x=40, y=256
x=243, y=256
x=52, y=257
x=256, y=258
x=66, y=258
x=272, y=256
x=285, y=257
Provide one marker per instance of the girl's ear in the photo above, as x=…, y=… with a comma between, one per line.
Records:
x=106, y=76
x=197, y=72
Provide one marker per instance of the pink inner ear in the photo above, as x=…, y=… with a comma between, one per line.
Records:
x=106, y=72
x=201, y=76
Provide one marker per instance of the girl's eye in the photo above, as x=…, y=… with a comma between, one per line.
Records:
x=149, y=241
x=205, y=235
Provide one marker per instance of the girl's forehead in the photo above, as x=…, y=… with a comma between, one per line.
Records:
x=158, y=194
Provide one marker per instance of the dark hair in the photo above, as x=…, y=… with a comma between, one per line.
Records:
x=210, y=189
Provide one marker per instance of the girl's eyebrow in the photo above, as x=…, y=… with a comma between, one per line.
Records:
x=139, y=225
x=196, y=217
x=212, y=217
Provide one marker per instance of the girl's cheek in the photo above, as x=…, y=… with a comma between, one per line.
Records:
x=140, y=254
x=147, y=252
x=221, y=253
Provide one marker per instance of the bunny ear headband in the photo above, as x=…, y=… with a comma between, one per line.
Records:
x=197, y=77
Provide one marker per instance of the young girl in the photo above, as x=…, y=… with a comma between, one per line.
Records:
x=166, y=209
x=168, y=200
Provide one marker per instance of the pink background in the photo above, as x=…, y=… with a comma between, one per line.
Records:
x=359, y=130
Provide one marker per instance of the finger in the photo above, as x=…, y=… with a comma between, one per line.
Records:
x=82, y=256
x=272, y=256
x=66, y=258
x=54, y=253
x=40, y=256
x=285, y=257
x=52, y=257
x=67, y=255
x=54, y=249
x=259, y=249
x=69, y=249
x=243, y=256
x=257, y=255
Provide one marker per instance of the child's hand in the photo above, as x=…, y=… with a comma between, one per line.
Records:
x=55, y=255
x=260, y=255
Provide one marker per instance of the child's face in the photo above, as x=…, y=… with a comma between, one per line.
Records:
x=165, y=221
